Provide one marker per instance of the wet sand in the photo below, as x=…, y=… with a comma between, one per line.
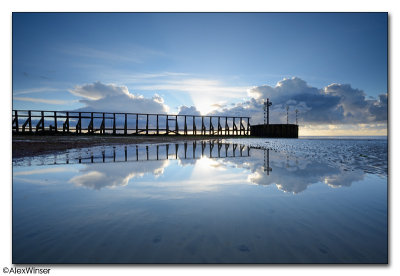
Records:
x=32, y=145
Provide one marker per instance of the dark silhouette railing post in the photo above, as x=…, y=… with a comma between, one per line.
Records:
x=211, y=127
x=78, y=126
x=157, y=126
x=30, y=120
x=176, y=125
x=219, y=126
x=185, y=128
x=16, y=121
x=42, y=119
x=234, y=127
x=137, y=123
x=203, y=127
x=66, y=123
x=166, y=126
x=194, y=125
x=126, y=124
x=248, y=126
x=103, y=125
x=147, y=124
x=55, y=121
x=114, y=125
x=40, y=124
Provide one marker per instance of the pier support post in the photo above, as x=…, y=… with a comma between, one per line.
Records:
x=185, y=127
x=114, y=125
x=137, y=123
x=55, y=121
x=126, y=124
x=157, y=126
x=147, y=124
x=16, y=121
x=194, y=126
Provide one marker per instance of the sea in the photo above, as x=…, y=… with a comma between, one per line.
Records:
x=310, y=200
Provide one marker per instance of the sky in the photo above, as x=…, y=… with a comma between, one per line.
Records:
x=331, y=67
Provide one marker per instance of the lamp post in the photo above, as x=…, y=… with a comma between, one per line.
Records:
x=287, y=114
x=267, y=104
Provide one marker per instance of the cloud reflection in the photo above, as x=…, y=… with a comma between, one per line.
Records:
x=262, y=167
x=112, y=175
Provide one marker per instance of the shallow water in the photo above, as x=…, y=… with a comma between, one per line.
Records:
x=260, y=201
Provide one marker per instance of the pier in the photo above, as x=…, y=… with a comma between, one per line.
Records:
x=38, y=121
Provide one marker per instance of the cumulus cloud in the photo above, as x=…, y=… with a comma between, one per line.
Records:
x=184, y=110
x=113, y=98
x=112, y=175
x=333, y=104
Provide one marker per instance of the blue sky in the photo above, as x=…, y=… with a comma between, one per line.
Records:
x=216, y=62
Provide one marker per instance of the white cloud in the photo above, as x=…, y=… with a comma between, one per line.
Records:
x=39, y=100
x=114, y=98
x=334, y=104
x=204, y=92
x=185, y=110
x=36, y=90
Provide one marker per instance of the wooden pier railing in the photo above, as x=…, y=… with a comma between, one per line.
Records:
x=31, y=121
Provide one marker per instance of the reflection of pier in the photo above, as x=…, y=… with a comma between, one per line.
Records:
x=139, y=153
x=267, y=168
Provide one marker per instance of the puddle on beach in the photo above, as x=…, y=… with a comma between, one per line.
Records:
x=197, y=202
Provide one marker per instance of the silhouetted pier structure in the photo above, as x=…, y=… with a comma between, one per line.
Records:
x=37, y=121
